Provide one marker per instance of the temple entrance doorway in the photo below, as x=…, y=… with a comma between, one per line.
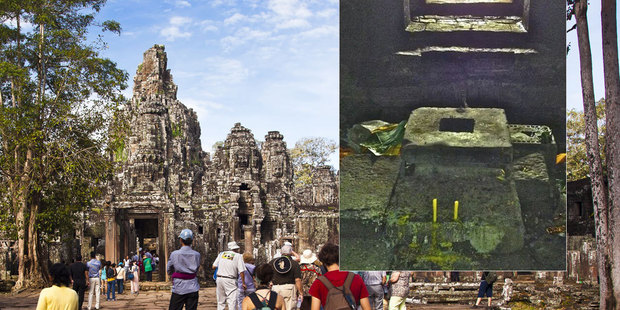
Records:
x=147, y=234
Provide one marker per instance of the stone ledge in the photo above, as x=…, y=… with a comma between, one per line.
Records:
x=450, y=23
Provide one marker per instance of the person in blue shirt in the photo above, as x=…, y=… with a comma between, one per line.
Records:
x=183, y=268
x=94, y=282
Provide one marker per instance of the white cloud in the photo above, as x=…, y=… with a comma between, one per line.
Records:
x=289, y=8
x=327, y=13
x=253, y=3
x=243, y=35
x=180, y=20
x=234, y=19
x=320, y=32
x=172, y=33
x=293, y=23
x=222, y=72
x=183, y=4
x=216, y=3
x=287, y=14
x=177, y=28
x=201, y=105
x=207, y=25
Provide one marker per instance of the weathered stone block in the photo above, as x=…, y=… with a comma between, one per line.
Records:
x=367, y=184
x=450, y=136
x=489, y=213
x=535, y=191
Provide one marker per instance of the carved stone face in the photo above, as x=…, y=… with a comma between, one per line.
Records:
x=241, y=160
x=277, y=166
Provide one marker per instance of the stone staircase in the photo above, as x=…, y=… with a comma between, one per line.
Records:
x=526, y=293
x=456, y=292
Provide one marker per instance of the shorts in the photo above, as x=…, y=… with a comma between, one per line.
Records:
x=485, y=289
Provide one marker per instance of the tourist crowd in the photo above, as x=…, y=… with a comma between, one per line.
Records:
x=287, y=282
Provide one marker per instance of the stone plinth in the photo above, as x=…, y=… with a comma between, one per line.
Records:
x=456, y=137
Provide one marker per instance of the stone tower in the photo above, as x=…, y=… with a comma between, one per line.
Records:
x=237, y=166
x=158, y=167
x=278, y=185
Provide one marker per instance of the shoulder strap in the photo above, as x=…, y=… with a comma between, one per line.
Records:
x=306, y=268
x=272, y=300
x=257, y=303
x=326, y=282
x=347, y=282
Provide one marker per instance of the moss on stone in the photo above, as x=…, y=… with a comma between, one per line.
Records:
x=486, y=238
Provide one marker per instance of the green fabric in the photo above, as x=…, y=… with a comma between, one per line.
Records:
x=147, y=265
x=379, y=137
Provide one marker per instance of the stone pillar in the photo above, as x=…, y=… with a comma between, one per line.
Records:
x=111, y=236
x=247, y=235
x=166, y=244
x=86, y=248
x=132, y=244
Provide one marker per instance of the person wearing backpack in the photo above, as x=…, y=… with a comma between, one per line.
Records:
x=486, y=288
x=263, y=298
x=309, y=273
x=400, y=289
x=337, y=289
x=110, y=271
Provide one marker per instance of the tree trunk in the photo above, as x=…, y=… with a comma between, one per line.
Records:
x=599, y=191
x=612, y=135
x=37, y=275
x=21, y=246
x=23, y=259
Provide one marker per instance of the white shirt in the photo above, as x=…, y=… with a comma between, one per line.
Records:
x=229, y=264
x=120, y=273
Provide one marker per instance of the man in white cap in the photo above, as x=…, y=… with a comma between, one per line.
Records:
x=294, y=254
x=229, y=266
x=183, y=267
x=287, y=277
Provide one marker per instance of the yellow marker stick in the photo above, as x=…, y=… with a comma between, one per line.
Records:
x=435, y=210
x=456, y=210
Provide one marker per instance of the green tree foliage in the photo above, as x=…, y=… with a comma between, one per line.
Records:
x=308, y=154
x=216, y=145
x=58, y=98
x=576, y=161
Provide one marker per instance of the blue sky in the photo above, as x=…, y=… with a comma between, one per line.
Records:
x=271, y=65
x=573, y=77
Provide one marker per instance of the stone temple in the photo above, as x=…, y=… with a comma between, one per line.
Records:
x=165, y=182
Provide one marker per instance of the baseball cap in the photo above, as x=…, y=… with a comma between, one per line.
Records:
x=186, y=234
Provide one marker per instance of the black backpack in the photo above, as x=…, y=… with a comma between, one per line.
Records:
x=110, y=272
x=339, y=298
x=262, y=305
x=491, y=277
